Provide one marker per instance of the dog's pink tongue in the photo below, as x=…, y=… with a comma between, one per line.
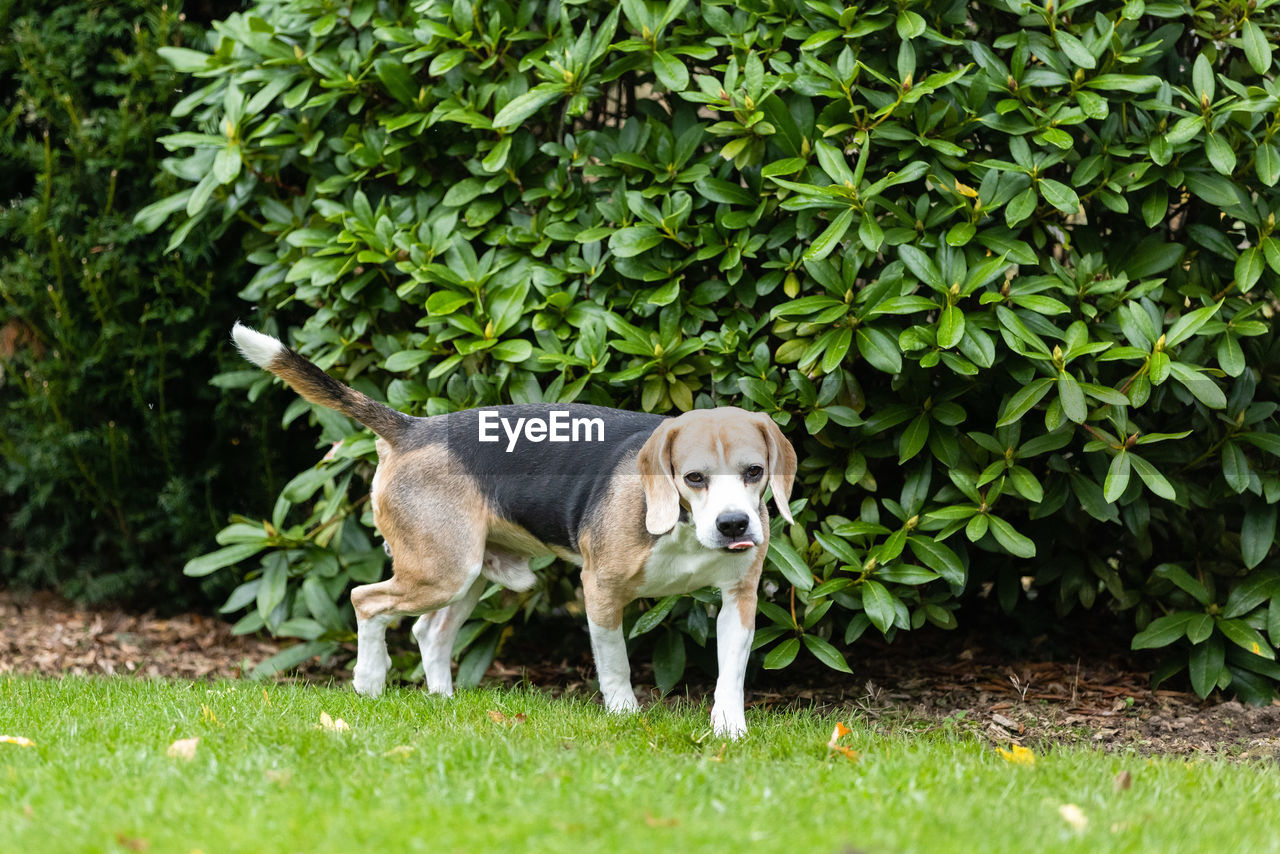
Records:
x=740, y=545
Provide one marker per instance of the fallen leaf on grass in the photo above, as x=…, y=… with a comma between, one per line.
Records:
x=280, y=777
x=1123, y=781
x=653, y=821
x=1017, y=754
x=332, y=725
x=1073, y=816
x=834, y=747
x=184, y=748
x=133, y=843
x=499, y=718
x=20, y=740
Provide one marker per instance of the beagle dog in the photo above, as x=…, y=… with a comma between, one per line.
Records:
x=647, y=505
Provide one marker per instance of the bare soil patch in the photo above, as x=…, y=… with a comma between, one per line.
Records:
x=922, y=682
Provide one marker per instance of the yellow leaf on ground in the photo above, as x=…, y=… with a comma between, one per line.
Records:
x=499, y=718
x=331, y=724
x=184, y=748
x=20, y=740
x=1017, y=754
x=834, y=747
x=1073, y=816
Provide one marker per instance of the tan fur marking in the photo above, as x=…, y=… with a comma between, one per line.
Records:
x=432, y=515
x=615, y=545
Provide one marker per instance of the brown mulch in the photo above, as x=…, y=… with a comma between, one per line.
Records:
x=41, y=633
x=925, y=682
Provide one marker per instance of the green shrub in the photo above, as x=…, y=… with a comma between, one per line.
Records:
x=113, y=446
x=1005, y=273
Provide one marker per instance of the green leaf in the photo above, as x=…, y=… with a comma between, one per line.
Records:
x=878, y=604
x=1023, y=399
x=782, y=654
x=631, y=241
x=396, y=76
x=912, y=439
x=1235, y=467
x=1189, y=324
x=1072, y=397
x=213, y=561
x=1255, y=589
x=1200, y=386
x=790, y=563
x=922, y=266
x=910, y=25
x=1206, y=665
x=827, y=241
x=939, y=558
x=879, y=349
x=523, y=106
x=1013, y=542
x=1202, y=82
x=184, y=59
x=672, y=74
x=1075, y=49
x=1184, y=581
x=1155, y=481
x=668, y=661
x=950, y=327
x=405, y=360
x=1163, y=631
x=1213, y=188
x=226, y=164
x=275, y=584
x=1256, y=48
x=652, y=618
x=1199, y=628
x=1267, y=163
x=291, y=657
x=1117, y=477
x=1257, y=533
x=1249, y=268
x=1022, y=206
x=838, y=548
x=1246, y=637
x=826, y=653
x=512, y=350
x=1059, y=195
x=1220, y=154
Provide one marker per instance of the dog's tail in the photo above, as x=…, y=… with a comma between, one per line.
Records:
x=308, y=380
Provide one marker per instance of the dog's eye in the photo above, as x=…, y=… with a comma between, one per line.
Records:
x=753, y=473
x=695, y=479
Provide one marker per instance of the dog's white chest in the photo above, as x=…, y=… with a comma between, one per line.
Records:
x=681, y=564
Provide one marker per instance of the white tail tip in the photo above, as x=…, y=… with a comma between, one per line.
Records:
x=255, y=346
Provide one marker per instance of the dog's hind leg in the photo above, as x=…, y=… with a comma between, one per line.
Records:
x=436, y=632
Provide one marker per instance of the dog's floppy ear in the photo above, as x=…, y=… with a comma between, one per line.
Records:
x=662, y=500
x=781, y=463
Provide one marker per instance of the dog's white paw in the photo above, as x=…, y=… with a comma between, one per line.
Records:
x=368, y=680
x=622, y=702
x=731, y=725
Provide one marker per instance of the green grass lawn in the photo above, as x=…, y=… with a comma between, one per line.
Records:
x=418, y=773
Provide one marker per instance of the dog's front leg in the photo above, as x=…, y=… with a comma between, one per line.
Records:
x=609, y=646
x=372, y=660
x=735, y=627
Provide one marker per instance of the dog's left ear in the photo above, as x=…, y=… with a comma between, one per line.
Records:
x=781, y=463
x=662, y=499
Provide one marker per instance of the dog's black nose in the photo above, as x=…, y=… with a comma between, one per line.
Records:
x=732, y=524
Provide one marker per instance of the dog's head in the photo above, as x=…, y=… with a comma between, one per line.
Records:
x=716, y=462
